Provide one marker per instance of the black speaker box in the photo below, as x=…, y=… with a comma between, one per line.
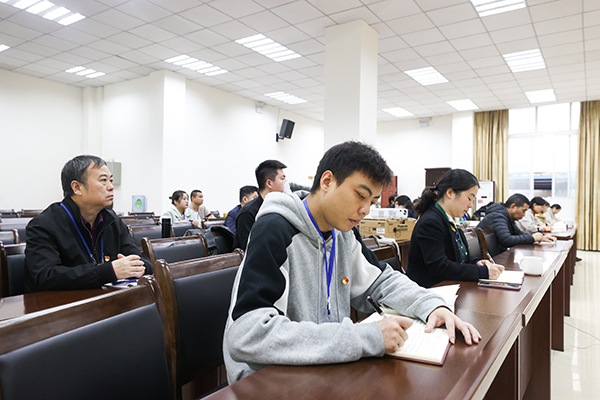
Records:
x=287, y=127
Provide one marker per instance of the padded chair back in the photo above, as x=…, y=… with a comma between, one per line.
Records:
x=174, y=249
x=142, y=231
x=132, y=221
x=223, y=239
x=473, y=243
x=198, y=294
x=208, y=223
x=370, y=242
x=388, y=254
x=488, y=241
x=10, y=237
x=12, y=269
x=180, y=228
x=20, y=224
x=142, y=215
x=111, y=346
x=30, y=213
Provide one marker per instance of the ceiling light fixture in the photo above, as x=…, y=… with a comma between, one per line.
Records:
x=3, y=47
x=268, y=48
x=286, y=98
x=196, y=65
x=527, y=60
x=463, y=105
x=426, y=76
x=54, y=12
x=84, y=71
x=490, y=7
x=398, y=112
x=541, y=96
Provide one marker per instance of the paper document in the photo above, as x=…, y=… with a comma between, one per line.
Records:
x=512, y=277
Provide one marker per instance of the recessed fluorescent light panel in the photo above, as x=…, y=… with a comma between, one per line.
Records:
x=286, y=98
x=196, y=65
x=398, y=112
x=463, y=105
x=83, y=71
x=527, y=60
x=4, y=47
x=490, y=7
x=267, y=47
x=426, y=76
x=541, y=96
x=47, y=9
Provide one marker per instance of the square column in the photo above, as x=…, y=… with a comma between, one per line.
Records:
x=350, y=83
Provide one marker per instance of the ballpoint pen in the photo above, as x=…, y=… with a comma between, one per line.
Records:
x=376, y=306
x=490, y=258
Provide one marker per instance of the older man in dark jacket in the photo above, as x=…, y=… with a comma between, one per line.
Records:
x=502, y=218
x=80, y=243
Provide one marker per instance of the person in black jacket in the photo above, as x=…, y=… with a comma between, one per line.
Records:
x=502, y=218
x=270, y=178
x=80, y=243
x=438, y=248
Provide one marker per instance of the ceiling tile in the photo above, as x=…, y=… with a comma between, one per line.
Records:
x=423, y=37
x=237, y=8
x=589, y=5
x=231, y=49
x=361, y=13
x=562, y=50
x=410, y=24
x=288, y=35
x=263, y=22
x=383, y=30
x=591, y=18
x=518, y=45
x=233, y=30
x=55, y=43
x=331, y=7
x=70, y=34
x=507, y=20
x=469, y=42
x=144, y=10
x=565, y=60
x=434, y=49
x=89, y=53
x=152, y=33
x=427, y=5
x=444, y=59
x=177, y=24
x=452, y=14
x=592, y=45
x=307, y=47
x=561, y=38
x=181, y=45
x=558, y=25
x=159, y=51
x=38, y=49
x=485, y=62
x=476, y=53
x=462, y=29
x=139, y=57
x=400, y=55
x=207, y=38
x=393, y=9
x=556, y=9
x=315, y=27
x=119, y=62
x=513, y=34
x=34, y=22
x=130, y=40
x=206, y=16
x=492, y=70
x=18, y=31
x=23, y=55
x=296, y=12
x=93, y=27
x=108, y=46
x=117, y=19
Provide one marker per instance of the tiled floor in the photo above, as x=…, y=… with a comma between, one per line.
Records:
x=576, y=371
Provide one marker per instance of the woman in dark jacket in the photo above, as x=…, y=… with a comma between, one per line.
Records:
x=438, y=248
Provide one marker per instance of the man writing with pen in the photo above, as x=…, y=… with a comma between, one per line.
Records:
x=305, y=265
x=80, y=243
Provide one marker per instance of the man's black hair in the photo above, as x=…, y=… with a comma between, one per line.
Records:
x=247, y=190
x=517, y=199
x=194, y=193
x=346, y=158
x=76, y=170
x=392, y=198
x=404, y=201
x=557, y=206
x=267, y=170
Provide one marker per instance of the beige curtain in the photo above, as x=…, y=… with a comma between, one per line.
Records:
x=588, y=180
x=491, y=150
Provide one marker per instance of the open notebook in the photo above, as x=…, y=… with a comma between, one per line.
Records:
x=429, y=348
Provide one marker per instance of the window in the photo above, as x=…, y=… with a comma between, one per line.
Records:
x=542, y=150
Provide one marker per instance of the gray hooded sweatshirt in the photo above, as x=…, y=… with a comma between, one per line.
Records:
x=278, y=312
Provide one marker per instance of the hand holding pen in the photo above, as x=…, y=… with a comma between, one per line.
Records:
x=393, y=328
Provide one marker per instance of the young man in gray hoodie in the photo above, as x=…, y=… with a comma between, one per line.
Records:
x=305, y=265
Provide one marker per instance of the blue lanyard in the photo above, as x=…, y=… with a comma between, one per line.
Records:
x=328, y=266
x=83, y=240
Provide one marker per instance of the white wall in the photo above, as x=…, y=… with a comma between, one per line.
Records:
x=40, y=129
x=409, y=149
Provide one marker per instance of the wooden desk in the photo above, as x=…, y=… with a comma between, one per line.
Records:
x=570, y=234
x=511, y=362
x=15, y=306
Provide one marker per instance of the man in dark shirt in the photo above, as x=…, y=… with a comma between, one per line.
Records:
x=247, y=194
x=270, y=178
x=80, y=243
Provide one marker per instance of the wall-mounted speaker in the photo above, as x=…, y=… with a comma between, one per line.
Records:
x=286, y=130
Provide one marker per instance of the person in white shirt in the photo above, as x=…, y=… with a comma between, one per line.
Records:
x=551, y=213
x=177, y=210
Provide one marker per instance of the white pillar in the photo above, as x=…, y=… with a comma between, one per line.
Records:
x=350, y=83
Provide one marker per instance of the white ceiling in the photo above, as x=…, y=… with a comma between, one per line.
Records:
x=128, y=39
